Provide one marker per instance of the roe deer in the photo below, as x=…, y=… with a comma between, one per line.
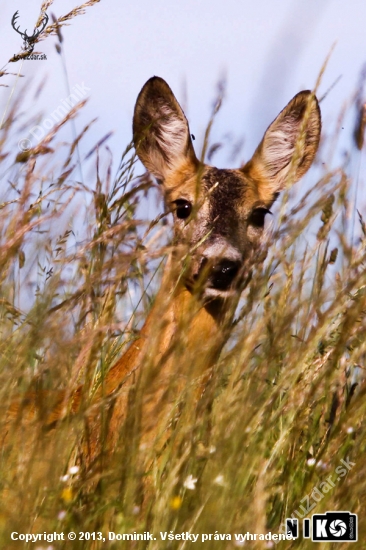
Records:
x=218, y=223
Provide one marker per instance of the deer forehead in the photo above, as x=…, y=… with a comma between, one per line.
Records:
x=221, y=193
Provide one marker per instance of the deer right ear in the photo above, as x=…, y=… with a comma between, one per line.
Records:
x=160, y=129
x=288, y=147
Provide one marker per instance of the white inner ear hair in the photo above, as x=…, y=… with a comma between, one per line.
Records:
x=279, y=146
x=172, y=135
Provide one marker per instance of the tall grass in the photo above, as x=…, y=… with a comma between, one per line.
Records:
x=285, y=401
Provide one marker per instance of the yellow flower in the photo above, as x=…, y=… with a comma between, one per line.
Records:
x=67, y=495
x=176, y=503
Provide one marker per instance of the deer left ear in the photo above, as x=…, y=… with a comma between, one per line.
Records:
x=160, y=130
x=288, y=147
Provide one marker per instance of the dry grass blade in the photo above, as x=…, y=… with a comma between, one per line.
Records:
x=276, y=416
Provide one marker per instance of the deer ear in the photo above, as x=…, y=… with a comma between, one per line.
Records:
x=160, y=129
x=288, y=147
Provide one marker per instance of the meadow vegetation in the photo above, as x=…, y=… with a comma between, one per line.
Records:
x=285, y=402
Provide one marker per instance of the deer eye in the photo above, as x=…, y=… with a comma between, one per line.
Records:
x=183, y=208
x=256, y=218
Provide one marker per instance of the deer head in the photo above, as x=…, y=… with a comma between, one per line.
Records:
x=219, y=214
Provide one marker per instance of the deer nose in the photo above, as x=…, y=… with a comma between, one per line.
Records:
x=223, y=274
x=217, y=276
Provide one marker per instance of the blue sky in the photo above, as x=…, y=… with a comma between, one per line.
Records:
x=267, y=51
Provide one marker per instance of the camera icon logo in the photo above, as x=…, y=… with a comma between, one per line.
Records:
x=334, y=527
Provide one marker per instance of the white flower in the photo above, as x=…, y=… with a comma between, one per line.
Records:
x=61, y=515
x=190, y=482
x=64, y=478
x=73, y=470
x=350, y=430
x=219, y=480
x=311, y=461
x=320, y=464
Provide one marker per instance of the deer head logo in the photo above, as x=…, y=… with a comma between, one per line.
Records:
x=29, y=41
